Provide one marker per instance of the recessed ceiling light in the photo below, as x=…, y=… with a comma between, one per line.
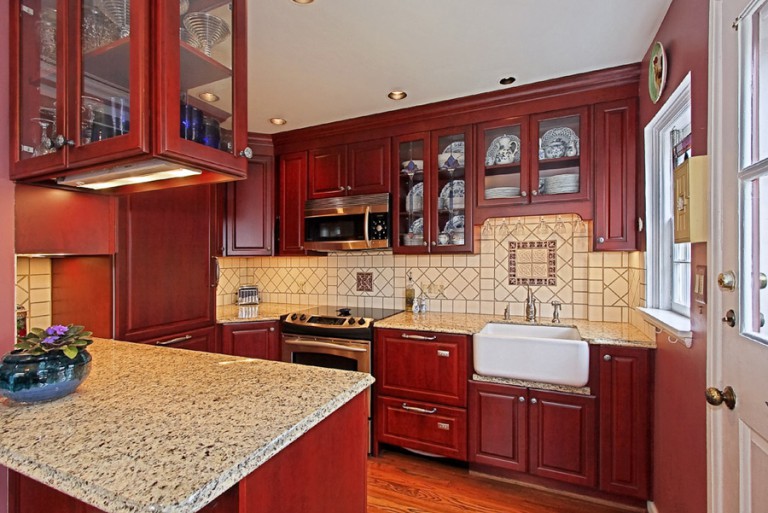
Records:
x=397, y=95
x=507, y=81
x=209, y=97
x=303, y=2
x=277, y=121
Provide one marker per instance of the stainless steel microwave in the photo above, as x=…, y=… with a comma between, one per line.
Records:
x=347, y=223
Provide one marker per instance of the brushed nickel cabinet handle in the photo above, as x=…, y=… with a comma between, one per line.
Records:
x=417, y=337
x=607, y=358
x=534, y=401
x=419, y=410
x=173, y=341
x=218, y=273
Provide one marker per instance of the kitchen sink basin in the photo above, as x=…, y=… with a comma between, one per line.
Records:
x=547, y=354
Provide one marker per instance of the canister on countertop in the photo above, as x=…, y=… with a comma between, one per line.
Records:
x=21, y=321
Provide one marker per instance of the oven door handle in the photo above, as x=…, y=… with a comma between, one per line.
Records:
x=365, y=230
x=312, y=343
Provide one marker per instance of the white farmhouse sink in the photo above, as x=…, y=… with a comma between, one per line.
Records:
x=547, y=354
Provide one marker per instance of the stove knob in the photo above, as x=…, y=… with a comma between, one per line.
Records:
x=351, y=320
x=361, y=321
x=294, y=317
x=303, y=317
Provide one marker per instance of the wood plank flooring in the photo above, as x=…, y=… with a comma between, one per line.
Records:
x=404, y=483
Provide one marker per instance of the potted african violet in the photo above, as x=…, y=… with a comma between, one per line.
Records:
x=47, y=364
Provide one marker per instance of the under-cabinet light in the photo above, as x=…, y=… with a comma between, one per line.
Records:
x=130, y=174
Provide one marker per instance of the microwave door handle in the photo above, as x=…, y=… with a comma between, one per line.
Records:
x=365, y=231
x=312, y=343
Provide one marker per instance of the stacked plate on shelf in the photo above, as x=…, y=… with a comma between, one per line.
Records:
x=502, y=192
x=452, y=196
x=560, y=184
x=414, y=200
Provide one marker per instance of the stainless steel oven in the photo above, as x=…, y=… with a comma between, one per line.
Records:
x=334, y=353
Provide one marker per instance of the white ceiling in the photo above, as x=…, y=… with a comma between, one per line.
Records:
x=338, y=59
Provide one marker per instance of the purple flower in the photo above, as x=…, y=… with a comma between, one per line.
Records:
x=49, y=340
x=57, y=329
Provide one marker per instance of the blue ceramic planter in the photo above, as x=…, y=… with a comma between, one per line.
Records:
x=30, y=379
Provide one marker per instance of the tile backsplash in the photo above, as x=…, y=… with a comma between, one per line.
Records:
x=599, y=286
x=33, y=290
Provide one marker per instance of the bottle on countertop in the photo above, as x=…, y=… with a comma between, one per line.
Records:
x=410, y=292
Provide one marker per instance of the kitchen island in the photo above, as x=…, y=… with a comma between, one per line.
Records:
x=163, y=430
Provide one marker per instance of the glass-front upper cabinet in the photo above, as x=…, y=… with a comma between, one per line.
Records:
x=412, y=157
x=78, y=82
x=204, y=97
x=502, y=162
x=560, y=169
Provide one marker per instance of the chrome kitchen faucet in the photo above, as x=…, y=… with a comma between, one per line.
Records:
x=530, y=306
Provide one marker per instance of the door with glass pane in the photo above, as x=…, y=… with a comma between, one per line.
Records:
x=202, y=96
x=503, y=163
x=409, y=203
x=738, y=370
x=109, y=79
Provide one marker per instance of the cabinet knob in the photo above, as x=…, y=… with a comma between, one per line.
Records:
x=247, y=152
x=349, y=187
x=434, y=243
x=521, y=399
x=342, y=189
x=534, y=192
x=534, y=401
x=60, y=141
x=607, y=358
x=601, y=239
x=425, y=243
x=272, y=329
x=523, y=193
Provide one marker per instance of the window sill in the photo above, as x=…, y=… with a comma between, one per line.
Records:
x=674, y=324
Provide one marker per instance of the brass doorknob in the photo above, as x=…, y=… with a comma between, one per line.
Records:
x=726, y=280
x=715, y=397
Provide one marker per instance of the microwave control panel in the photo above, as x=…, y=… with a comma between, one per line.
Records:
x=378, y=227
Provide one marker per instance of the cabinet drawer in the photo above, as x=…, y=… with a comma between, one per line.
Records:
x=422, y=426
x=422, y=366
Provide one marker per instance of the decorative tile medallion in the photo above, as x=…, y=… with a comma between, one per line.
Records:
x=533, y=262
x=365, y=282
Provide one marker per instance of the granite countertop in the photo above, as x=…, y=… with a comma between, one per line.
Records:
x=251, y=313
x=611, y=333
x=167, y=430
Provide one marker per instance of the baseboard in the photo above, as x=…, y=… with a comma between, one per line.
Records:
x=652, y=507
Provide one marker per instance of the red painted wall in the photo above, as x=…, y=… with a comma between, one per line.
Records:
x=7, y=260
x=680, y=448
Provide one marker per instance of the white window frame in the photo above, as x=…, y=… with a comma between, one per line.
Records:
x=659, y=183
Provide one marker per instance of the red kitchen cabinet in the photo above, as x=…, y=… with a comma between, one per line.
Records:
x=498, y=426
x=615, y=175
x=327, y=172
x=166, y=276
x=344, y=170
x=563, y=437
x=292, y=194
x=92, y=89
x=250, y=218
x=252, y=340
x=421, y=391
x=547, y=434
x=625, y=424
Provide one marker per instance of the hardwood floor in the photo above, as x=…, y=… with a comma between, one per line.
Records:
x=404, y=483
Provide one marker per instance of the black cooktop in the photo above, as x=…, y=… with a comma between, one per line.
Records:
x=374, y=314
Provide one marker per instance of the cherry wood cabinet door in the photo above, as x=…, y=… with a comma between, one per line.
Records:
x=292, y=194
x=615, y=175
x=498, y=425
x=563, y=437
x=429, y=427
x=252, y=340
x=625, y=426
x=328, y=172
x=250, y=211
x=165, y=274
x=422, y=365
x=368, y=168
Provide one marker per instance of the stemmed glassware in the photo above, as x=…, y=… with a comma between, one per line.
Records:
x=89, y=104
x=44, y=145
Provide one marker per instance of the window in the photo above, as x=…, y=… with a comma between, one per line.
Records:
x=668, y=265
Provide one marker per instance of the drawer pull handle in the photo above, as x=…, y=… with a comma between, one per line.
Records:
x=444, y=354
x=419, y=410
x=172, y=341
x=417, y=337
x=444, y=426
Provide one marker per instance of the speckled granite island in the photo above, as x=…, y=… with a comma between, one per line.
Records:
x=165, y=430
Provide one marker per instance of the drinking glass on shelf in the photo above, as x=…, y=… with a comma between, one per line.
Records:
x=211, y=134
x=44, y=145
x=119, y=119
x=88, y=107
x=46, y=28
x=102, y=127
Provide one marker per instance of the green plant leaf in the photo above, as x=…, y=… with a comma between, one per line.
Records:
x=70, y=352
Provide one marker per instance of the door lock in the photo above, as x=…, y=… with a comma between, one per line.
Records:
x=730, y=318
x=715, y=397
x=726, y=280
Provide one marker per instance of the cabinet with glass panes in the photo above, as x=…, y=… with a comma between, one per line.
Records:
x=433, y=192
x=535, y=159
x=101, y=82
